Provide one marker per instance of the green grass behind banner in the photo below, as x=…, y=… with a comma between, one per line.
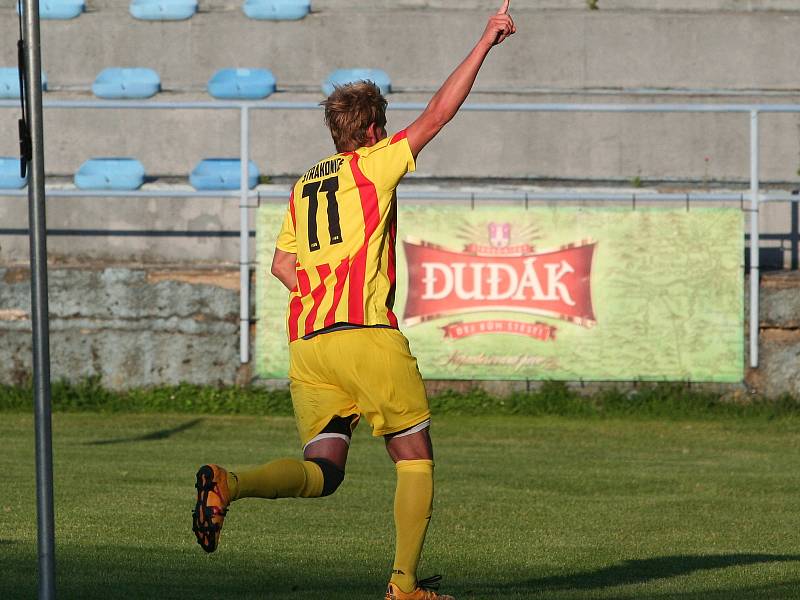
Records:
x=663, y=400
x=526, y=508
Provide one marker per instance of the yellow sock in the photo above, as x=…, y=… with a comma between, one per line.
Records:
x=282, y=478
x=413, y=503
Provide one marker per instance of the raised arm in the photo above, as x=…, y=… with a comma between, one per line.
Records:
x=446, y=102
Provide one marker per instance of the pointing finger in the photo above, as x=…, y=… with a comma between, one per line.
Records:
x=503, y=9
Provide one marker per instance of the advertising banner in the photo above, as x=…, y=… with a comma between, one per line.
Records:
x=553, y=293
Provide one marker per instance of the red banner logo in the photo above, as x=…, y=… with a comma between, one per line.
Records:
x=554, y=283
x=538, y=331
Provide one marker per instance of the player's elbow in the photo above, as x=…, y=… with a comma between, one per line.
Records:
x=279, y=270
x=441, y=112
x=282, y=262
x=437, y=118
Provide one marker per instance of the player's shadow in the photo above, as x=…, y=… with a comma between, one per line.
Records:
x=648, y=569
x=161, y=434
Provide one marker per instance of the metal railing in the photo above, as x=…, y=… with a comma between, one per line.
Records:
x=754, y=197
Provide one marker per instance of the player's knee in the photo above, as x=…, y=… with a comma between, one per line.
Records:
x=413, y=443
x=332, y=475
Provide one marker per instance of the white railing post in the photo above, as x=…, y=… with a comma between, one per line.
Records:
x=754, y=239
x=244, y=239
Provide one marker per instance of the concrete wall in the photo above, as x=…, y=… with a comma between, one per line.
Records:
x=128, y=229
x=130, y=326
x=149, y=325
x=779, y=347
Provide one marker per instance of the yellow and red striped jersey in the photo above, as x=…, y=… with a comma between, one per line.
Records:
x=342, y=225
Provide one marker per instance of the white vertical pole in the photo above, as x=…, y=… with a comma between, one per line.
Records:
x=754, y=239
x=244, y=240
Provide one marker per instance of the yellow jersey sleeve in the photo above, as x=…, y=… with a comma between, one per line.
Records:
x=287, y=238
x=388, y=161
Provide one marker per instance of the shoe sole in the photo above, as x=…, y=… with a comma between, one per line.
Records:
x=202, y=525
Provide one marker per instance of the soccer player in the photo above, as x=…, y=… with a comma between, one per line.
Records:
x=336, y=255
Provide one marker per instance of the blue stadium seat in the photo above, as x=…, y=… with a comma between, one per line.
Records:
x=241, y=84
x=163, y=10
x=222, y=174
x=126, y=83
x=9, y=174
x=277, y=10
x=9, y=82
x=344, y=76
x=110, y=174
x=57, y=9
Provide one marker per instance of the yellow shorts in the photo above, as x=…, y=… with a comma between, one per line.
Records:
x=352, y=372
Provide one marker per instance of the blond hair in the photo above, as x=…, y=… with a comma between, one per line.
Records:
x=350, y=110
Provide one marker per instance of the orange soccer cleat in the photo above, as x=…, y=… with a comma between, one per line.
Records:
x=213, y=499
x=424, y=591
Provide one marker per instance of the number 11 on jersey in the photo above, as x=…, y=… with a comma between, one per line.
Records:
x=310, y=190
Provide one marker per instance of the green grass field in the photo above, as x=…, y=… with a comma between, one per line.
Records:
x=526, y=507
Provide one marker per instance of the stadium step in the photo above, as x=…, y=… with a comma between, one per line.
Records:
x=576, y=49
x=530, y=6
x=558, y=146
